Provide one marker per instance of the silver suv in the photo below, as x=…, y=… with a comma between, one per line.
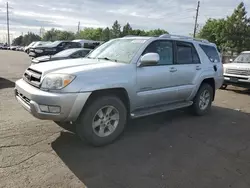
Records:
x=123, y=78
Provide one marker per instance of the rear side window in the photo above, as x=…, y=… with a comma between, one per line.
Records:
x=211, y=53
x=186, y=53
x=76, y=45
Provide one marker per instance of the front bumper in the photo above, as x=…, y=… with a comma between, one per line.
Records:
x=236, y=80
x=31, y=98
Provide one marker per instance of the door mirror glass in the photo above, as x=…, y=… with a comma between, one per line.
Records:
x=149, y=59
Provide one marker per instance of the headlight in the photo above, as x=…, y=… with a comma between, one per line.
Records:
x=57, y=81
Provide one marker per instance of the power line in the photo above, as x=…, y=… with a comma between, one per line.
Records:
x=196, y=18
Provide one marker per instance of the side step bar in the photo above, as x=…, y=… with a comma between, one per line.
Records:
x=159, y=109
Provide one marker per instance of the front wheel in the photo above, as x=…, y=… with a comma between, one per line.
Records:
x=102, y=121
x=203, y=100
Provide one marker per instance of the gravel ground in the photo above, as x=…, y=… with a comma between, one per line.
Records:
x=169, y=150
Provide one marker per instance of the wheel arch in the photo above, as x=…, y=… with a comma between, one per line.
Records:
x=119, y=92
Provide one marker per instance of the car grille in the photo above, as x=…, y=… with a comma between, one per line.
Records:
x=33, y=77
x=238, y=72
x=24, y=99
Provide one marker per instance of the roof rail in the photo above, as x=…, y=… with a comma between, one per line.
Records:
x=183, y=37
x=130, y=36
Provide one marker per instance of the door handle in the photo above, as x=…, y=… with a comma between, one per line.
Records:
x=173, y=69
x=198, y=68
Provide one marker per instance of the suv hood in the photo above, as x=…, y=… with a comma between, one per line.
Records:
x=237, y=65
x=75, y=64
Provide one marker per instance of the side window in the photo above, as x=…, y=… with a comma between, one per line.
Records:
x=76, y=55
x=165, y=50
x=211, y=53
x=61, y=45
x=84, y=53
x=67, y=45
x=186, y=53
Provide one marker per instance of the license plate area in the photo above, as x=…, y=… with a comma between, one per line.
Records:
x=232, y=79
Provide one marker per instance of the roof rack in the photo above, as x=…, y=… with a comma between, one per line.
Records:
x=130, y=36
x=183, y=37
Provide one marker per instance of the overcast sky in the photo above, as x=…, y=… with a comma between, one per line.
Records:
x=175, y=16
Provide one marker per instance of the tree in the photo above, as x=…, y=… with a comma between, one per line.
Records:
x=156, y=32
x=214, y=31
x=106, y=34
x=26, y=39
x=65, y=35
x=51, y=35
x=237, y=28
x=127, y=30
x=232, y=32
x=116, y=30
x=91, y=34
x=18, y=41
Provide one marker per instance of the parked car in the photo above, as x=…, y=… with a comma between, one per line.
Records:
x=65, y=54
x=26, y=48
x=128, y=77
x=35, y=44
x=91, y=44
x=13, y=48
x=52, y=48
x=237, y=73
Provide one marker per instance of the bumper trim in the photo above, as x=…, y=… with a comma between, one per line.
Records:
x=71, y=104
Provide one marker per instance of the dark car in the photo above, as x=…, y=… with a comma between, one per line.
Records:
x=52, y=48
x=65, y=54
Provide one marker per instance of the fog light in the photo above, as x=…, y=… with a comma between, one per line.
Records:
x=44, y=108
x=54, y=109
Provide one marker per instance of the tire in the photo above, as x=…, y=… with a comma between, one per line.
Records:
x=224, y=86
x=84, y=128
x=196, y=108
x=67, y=126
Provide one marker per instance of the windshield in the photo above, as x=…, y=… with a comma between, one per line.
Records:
x=243, y=58
x=118, y=50
x=53, y=44
x=66, y=53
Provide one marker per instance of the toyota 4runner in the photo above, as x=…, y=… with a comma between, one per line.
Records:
x=128, y=77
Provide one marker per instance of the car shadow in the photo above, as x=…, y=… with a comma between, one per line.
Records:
x=239, y=90
x=4, y=83
x=172, y=149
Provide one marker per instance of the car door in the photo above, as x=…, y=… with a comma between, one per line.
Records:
x=186, y=69
x=154, y=85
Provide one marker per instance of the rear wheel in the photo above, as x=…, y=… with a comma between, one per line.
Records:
x=203, y=100
x=102, y=121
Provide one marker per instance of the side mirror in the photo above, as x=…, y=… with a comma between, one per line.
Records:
x=231, y=60
x=149, y=59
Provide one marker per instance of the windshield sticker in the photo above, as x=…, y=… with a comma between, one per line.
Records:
x=138, y=41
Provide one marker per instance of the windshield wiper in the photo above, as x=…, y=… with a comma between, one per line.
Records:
x=106, y=58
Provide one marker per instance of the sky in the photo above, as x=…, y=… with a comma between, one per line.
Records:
x=175, y=16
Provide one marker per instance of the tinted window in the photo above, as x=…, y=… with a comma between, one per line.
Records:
x=84, y=53
x=186, y=53
x=75, y=45
x=165, y=50
x=76, y=55
x=211, y=53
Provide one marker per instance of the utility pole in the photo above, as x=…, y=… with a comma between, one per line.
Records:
x=196, y=18
x=8, y=25
x=78, y=28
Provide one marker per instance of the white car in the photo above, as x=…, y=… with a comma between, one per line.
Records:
x=237, y=72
